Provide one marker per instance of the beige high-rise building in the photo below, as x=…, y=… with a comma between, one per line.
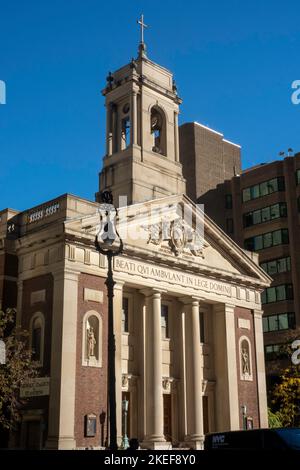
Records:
x=188, y=318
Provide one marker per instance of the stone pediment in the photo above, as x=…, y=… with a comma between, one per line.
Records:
x=174, y=231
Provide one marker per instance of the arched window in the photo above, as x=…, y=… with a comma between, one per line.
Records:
x=158, y=130
x=37, y=334
x=245, y=359
x=92, y=339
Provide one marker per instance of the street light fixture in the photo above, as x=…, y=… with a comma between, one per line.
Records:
x=125, y=441
x=109, y=243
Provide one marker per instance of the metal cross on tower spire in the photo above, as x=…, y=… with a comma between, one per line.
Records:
x=143, y=26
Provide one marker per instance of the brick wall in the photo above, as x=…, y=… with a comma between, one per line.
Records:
x=28, y=310
x=247, y=389
x=91, y=382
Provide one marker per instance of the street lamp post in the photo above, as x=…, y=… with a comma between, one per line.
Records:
x=109, y=243
x=125, y=443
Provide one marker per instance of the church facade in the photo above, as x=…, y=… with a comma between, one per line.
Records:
x=187, y=308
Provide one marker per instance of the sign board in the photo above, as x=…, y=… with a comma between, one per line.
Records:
x=2, y=352
x=37, y=387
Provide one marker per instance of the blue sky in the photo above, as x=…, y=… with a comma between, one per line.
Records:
x=233, y=61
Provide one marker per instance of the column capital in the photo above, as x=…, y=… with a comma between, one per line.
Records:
x=65, y=274
x=190, y=300
x=119, y=285
x=257, y=313
x=224, y=307
x=150, y=292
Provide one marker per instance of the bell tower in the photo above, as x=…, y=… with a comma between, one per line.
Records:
x=142, y=146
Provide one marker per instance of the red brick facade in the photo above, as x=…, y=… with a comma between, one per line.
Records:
x=91, y=382
x=247, y=389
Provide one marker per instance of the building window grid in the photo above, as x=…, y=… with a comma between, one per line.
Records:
x=277, y=294
x=263, y=189
x=260, y=216
x=277, y=266
x=267, y=240
x=274, y=351
x=279, y=322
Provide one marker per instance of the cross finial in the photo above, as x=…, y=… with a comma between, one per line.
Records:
x=143, y=26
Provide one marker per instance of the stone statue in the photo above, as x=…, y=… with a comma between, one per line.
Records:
x=245, y=362
x=91, y=342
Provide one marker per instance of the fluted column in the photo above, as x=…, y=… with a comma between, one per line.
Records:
x=194, y=375
x=61, y=424
x=227, y=409
x=260, y=365
x=154, y=394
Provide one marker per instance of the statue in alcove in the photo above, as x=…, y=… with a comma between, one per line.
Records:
x=91, y=342
x=245, y=362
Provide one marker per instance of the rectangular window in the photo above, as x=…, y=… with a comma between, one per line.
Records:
x=273, y=323
x=298, y=176
x=271, y=295
x=279, y=322
x=265, y=214
x=228, y=201
x=255, y=192
x=258, y=243
x=276, y=266
x=246, y=194
x=266, y=187
x=277, y=294
x=256, y=218
x=164, y=321
x=273, y=186
x=125, y=315
x=283, y=322
x=266, y=240
x=273, y=351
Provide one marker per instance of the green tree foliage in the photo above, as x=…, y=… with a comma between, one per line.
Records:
x=274, y=419
x=17, y=371
x=285, y=396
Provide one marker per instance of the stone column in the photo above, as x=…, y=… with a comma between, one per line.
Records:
x=134, y=118
x=194, y=376
x=260, y=367
x=118, y=304
x=115, y=139
x=227, y=401
x=176, y=137
x=109, y=135
x=63, y=362
x=154, y=395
